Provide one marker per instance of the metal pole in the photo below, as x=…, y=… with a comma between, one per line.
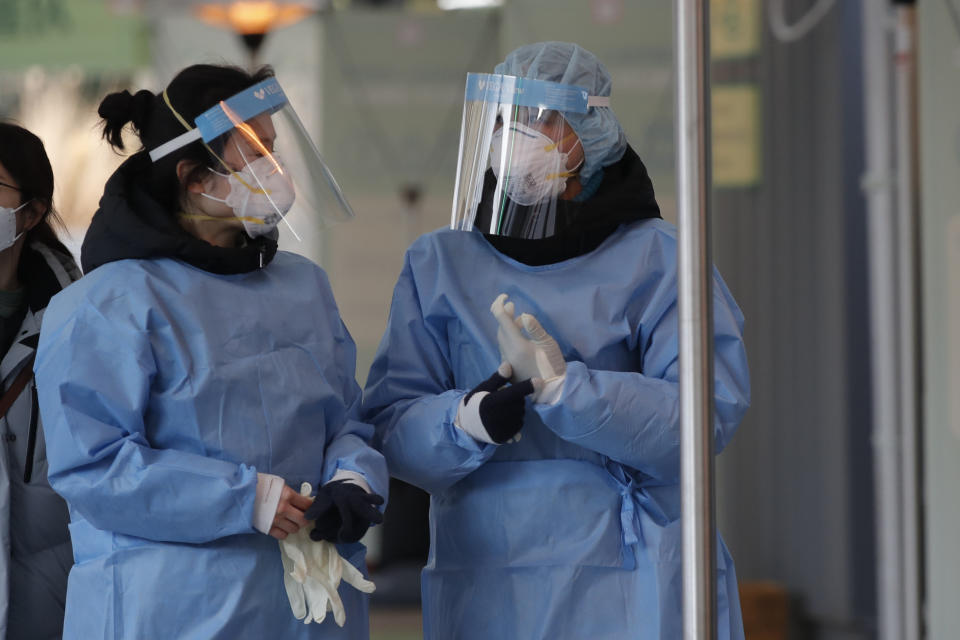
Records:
x=908, y=277
x=692, y=53
x=878, y=188
x=890, y=188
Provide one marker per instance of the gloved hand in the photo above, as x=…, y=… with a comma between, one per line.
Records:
x=536, y=356
x=492, y=412
x=312, y=572
x=343, y=512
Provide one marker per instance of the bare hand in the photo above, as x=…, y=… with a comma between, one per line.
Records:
x=289, y=517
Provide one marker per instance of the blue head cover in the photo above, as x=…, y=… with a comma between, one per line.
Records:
x=600, y=133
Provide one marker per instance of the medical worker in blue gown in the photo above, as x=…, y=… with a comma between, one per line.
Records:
x=196, y=376
x=559, y=516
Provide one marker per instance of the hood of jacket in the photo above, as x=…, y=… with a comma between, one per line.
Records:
x=130, y=223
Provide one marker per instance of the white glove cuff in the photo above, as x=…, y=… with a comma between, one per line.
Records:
x=352, y=477
x=468, y=418
x=550, y=367
x=552, y=390
x=269, y=489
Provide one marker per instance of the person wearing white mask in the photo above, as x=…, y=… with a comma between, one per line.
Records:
x=197, y=377
x=554, y=482
x=35, y=552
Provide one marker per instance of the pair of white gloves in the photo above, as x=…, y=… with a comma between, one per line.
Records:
x=312, y=572
x=532, y=353
x=531, y=360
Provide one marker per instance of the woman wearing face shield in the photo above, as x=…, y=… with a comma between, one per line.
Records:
x=558, y=515
x=197, y=377
x=34, y=265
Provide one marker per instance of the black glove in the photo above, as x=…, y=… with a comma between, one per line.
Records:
x=501, y=408
x=343, y=512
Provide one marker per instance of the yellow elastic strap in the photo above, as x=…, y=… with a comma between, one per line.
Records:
x=241, y=180
x=551, y=147
x=166, y=99
x=200, y=216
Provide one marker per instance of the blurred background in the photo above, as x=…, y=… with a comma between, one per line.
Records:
x=836, y=225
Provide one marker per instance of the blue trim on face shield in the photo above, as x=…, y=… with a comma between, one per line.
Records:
x=263, y=97
x=527, y=92
x=266, y=96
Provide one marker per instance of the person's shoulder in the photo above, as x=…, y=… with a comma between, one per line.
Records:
x=301, y=273
x=653, y=236
x=653, y=229
x=297, y=265
x=100, y=289
x=646, y=248
x=102, y=280
x=433, y=238
x=295, y=260
x=442, y=241
x=129, y=278
x=655, y=244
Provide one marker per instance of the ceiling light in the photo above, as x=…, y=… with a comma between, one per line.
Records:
x=452, y=5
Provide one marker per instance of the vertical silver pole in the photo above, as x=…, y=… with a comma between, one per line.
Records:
x=890, y=187
x=692, y=53
x=908, y=276
x=878, y=188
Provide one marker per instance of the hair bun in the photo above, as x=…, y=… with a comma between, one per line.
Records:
x=122, y=107
x=116, y=106
x=140, y=107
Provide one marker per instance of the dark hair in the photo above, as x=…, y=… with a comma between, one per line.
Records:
x=193, y=91
x=25, y=159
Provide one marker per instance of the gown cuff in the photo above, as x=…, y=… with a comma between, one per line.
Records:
x=352, y=477
x=269, y=489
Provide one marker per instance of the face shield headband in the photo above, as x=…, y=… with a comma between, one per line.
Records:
x=264, y=97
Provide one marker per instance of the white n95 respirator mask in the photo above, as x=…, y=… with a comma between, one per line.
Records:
x=260, y=194
x=8, y=226
x=536, y=168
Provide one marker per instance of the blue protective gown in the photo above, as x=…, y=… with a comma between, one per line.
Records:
x=164, y=389
x=574, y=531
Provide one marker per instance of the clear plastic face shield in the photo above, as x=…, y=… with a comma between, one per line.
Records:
x=517, y=153
x=273, y=174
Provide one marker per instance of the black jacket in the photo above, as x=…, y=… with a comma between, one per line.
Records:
x=130, y=223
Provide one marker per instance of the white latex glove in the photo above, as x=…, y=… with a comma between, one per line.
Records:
x=312, y=572
x=530, y=350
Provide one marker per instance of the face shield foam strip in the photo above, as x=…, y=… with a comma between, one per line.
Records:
x=266, y=96
x=181, y=140
x=530, y=92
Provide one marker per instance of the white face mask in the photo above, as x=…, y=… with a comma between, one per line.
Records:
x=260, y=195
x=537, y=167
x=8, y=226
